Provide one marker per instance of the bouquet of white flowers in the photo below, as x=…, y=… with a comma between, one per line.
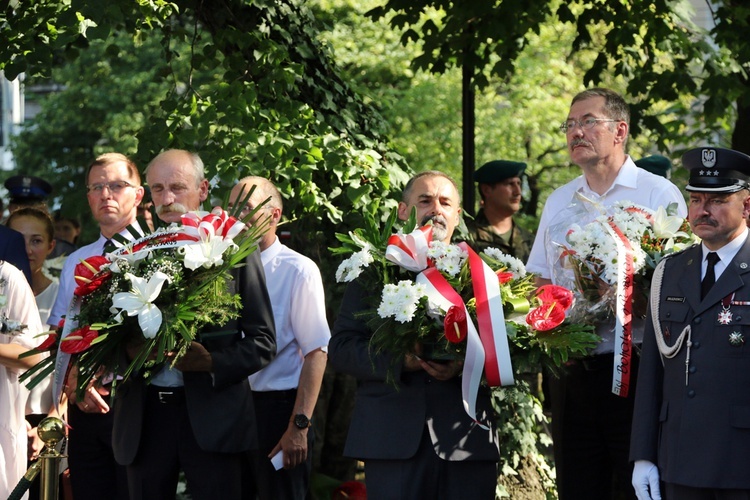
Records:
x=153, y=294
x=448, y=302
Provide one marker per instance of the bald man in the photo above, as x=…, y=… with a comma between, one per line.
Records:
x=285, y=391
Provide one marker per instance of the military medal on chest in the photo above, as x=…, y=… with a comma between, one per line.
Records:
x=725, y=315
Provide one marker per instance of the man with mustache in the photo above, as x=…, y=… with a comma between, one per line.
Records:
x=416, y=439
x=590, y=424
x=197, y=417
x=691, y=408
x=499, y=186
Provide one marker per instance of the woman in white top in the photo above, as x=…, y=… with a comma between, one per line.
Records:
x=16, y=306
x=38, y=231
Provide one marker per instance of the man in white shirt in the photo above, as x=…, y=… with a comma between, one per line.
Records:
x=691, y=414
x=285, y=391
x=590, y=424
x=114, y=192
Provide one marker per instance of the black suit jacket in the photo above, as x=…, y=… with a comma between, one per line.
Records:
x=388, y=422
x=220, y=408
x=697, y=431
x=13, y=250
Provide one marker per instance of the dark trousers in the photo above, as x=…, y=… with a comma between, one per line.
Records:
x=168, y=445
x=273, y=410
x=679, y=492
x=425, y=476
x=591, y=431
x=94, y=473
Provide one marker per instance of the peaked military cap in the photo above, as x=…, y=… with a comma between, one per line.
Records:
x=717, y=170
x=28, y=187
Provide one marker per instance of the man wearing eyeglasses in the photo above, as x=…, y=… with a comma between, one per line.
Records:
x=197, y=417
x=114, y=191
x=590, y=424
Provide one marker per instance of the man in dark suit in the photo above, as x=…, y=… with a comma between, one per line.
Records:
x=416, y=439
x=199, y=417
x=13, y=250
x=691, y=424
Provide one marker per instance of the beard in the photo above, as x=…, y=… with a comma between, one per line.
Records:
x=439, y=226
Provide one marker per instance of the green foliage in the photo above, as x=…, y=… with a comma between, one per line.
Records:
x=248, y=86
x=520, y=422
x=660, y=57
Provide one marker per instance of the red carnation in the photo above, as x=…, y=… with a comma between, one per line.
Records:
x=49, y=342
x=455, y=324
x=504, y=277
x=546, y=316
x=555, y=293
x=79, y=340
x=89, y=275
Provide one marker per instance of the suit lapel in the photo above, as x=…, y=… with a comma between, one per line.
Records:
x=730, y=280
x=690, y=277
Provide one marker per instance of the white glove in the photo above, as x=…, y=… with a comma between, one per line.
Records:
x=646, y=480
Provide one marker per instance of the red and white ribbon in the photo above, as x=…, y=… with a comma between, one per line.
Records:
x=623, y=311
x=410, y=250
x=487, y=342
x=206, y=225
x=490, y=320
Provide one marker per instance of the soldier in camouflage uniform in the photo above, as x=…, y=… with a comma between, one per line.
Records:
x=499, y=185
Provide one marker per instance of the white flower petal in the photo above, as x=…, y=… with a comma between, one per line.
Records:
x=149, y=319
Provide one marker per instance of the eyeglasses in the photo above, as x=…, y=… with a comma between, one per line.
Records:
x=585, y=124
x=115, y=187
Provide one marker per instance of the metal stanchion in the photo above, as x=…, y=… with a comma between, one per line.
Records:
x=52, y=431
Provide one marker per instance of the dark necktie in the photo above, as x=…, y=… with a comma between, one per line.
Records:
x=708, y=281
x=107, y=246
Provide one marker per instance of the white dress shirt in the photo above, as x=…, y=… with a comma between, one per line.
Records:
x=296, y=291
x=632, y=184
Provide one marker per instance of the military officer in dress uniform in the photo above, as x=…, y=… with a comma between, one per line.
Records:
x=691, y=425
x=499, y=185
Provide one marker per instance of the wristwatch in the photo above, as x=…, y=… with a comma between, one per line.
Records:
x=301, y=421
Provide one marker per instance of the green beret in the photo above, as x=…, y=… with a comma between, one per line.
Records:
x=656, y=164
x=498, y=170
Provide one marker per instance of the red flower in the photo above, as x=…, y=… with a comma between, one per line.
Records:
x=49, y=342
x=79, y=340
x=89, y=276
x=555, y=293
x=455, y=325
x=504, y=277
x=546, y=316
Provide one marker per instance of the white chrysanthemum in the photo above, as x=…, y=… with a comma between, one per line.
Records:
x=594, y=242
x=401, y=300
x=448, y=258
x=512, y=264
x=352, y=267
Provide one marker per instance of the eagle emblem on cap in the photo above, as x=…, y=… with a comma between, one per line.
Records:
x=708, y=157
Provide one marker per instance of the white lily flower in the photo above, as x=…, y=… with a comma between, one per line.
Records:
x=140, y=301
x=666, y=226
x=206, y=253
